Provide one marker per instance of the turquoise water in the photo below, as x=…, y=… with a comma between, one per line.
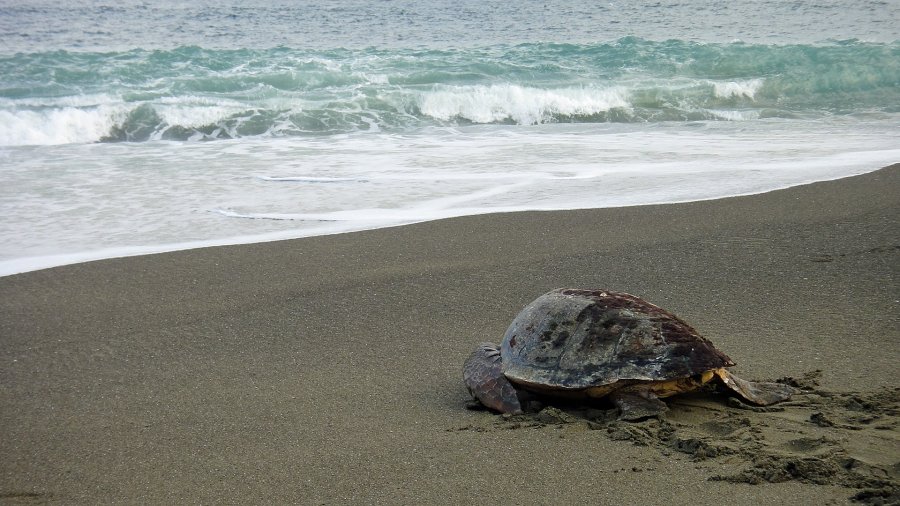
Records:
x=191, y=93
x=144, y=127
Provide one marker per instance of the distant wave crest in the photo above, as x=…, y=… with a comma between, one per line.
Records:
x=192, y=94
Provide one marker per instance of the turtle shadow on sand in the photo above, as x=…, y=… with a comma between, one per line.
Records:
x=603, y=360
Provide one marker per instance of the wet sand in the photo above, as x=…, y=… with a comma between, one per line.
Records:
x=328, y=370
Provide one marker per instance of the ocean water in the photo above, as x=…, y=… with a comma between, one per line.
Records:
x=144, y=127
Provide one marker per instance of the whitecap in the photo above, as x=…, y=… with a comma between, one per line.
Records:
x=737, y=89
x=520, y=104
x=66, y=125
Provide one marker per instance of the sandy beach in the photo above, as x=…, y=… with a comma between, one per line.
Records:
x=327, y=370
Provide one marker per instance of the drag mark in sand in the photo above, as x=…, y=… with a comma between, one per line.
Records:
x=817, y=438
x=878, y=250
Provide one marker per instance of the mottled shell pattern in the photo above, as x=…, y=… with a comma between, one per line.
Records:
x=576, y=339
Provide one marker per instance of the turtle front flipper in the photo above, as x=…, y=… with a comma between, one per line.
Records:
x=486, y=382
x=637, y=404
x=757, y=392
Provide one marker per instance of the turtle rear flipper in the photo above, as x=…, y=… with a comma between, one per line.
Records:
x=757, y=392
x=486, y=382
x=636, y=405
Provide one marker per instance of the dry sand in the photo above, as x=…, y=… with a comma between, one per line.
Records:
x=328, y=370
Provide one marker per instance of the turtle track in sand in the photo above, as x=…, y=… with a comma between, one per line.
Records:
x=846, y=439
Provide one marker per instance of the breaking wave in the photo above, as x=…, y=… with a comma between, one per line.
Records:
x=193, y=94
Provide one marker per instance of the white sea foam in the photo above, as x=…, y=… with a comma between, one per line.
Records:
x=522, y=105
x=372, y=78
x=196, y=111
x=85, y=119
x=229, y=213
x=737, y=89
x=314, y=179
x=64, y=125
x=72, y=203
x=735, y=115
x=86, y=100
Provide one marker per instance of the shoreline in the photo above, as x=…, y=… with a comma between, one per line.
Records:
x=327, y=369
x=11, y=267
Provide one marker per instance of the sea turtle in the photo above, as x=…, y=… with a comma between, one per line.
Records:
x=584, y=344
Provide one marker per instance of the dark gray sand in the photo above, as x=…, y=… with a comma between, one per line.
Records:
x=328, y=370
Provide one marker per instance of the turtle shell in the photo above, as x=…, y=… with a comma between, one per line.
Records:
x=576, y=339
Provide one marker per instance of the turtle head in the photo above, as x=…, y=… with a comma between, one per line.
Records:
x=485, y=380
